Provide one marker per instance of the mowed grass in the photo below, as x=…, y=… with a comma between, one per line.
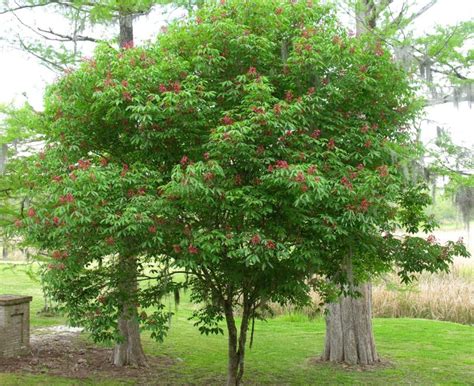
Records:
x=415, y=351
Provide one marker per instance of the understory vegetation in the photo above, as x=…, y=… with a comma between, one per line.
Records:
x=285, y=350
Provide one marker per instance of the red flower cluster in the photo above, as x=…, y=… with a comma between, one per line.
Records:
x=208, y=176
x=277, y=109
x=280, y=164
x=31, y=212
x=364, y=205
x=331, y=144
x=300, y=177
x=176, y=248
x=289, y=96
x=270, y=244
x=184, y=160
x=227, y=120
x=162, y=88
x=110, y=240
x=152, y=229
x=84, y=165
x=315, y=134
x=312, y=169
x=66, y=198
x=57, y=178
x=345, y=181
x=124, y=170
x=104, y=161
x=255, y=239
x=252, y=71
x=383, y=170
x=192, y=249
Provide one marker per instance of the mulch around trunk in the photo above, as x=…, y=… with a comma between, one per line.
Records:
x=62, y=352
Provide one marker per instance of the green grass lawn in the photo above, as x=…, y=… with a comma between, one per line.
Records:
x=418, y=351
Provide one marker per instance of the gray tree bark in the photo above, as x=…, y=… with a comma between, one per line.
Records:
x=349, y=335
x=129, y=352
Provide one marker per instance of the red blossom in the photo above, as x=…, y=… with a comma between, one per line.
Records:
x=206, y=156
x=104, y=161
x=312, y=169
x=368, y=143
x=176, y=248
x=431, y=239
x=177, y=87
x=57, y=178
x=331, y=144
x=226, y=136
x=282, y=164
x=315, y=134
x=72, y=176
x=364, y=205
x=383, y=170
x=352, y=175
x=364, y=129
x=18, y=223
x=192, y=249
x=360, y=167
x=227, y=120
x=311, y=90
x=277, y=109
x=279, y=11
x=289, y=96
x=270, y=244
x=152, y=229
x=345, y=181
x=300, y=177
x=270, y=168
x=127, y=45
x=162, y=88
x=255, y=239
x=57, y=255
x=127, y=96
x=363, y=68
x=208, y=176
x=184, y=160
x=110, y=240
x=258, y=110
x=84, y=165
x=56, y=220
x=124, y=83
x=304, y=188
x=31, y=212
x=252, y=71
x=124, y=170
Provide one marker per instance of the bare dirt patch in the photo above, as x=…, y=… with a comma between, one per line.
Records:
x=62, y=352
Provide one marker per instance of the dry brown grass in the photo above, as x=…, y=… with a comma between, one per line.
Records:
x=442, y=296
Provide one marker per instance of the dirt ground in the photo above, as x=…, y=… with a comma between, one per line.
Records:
x=61, y=351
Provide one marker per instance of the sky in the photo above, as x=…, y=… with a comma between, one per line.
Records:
x=21, y=75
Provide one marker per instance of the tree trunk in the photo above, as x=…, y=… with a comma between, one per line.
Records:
x=129, y=351
x=126, y=29
x=236, y=344
x=349, y=335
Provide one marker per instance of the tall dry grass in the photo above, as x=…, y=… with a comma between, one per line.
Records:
x=441, y=296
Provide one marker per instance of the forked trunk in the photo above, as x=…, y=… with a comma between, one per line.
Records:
x=236, y=344
x=129, y=352
x=349, y=335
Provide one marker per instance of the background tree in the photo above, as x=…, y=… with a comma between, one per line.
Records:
x=349, y=327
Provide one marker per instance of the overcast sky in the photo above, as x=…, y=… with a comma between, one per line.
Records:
x=21, y=74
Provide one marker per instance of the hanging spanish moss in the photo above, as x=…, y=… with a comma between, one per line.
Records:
x=464, y=200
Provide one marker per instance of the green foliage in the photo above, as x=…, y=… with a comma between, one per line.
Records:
x=251, y=148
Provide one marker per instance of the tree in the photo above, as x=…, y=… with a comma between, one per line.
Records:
x=248, y=159
x=297, y=160
x=84, y=21
x=349, y=336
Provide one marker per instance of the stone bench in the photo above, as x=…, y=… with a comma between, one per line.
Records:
x=14, y=325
